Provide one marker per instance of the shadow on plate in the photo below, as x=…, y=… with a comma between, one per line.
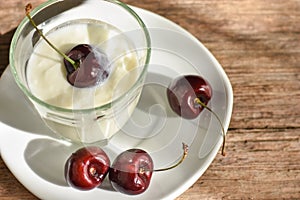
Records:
x=16, y=110
x=47, y=159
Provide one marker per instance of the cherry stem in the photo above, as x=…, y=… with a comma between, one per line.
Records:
x=197, y=100
x=185, y=152
x=27, y=10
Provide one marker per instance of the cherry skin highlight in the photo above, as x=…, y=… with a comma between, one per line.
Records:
x=92, y=66
x=183, y=92
x=86, y=168
x=131, y=172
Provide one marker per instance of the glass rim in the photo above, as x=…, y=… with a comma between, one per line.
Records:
x=84, y=110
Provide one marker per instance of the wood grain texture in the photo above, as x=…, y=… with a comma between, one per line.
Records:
x=258, y=45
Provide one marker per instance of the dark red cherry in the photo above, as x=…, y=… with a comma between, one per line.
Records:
x=131, y=172
x=92, y=66
x=86, y=168
x=183, y=92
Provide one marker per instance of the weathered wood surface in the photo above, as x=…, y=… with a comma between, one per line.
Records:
x=258, y=44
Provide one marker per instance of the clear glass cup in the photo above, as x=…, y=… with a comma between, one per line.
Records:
x=93, y=123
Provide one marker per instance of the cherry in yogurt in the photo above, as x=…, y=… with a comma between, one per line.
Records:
x=86, y=65
x=91, y=66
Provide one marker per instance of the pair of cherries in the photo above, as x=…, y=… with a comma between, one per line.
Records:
x=130, y=172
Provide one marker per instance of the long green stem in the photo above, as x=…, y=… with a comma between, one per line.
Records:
x=197, y=100
x=28, y=9
x=185, y=152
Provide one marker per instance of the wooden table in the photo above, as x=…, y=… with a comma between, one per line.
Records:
x=258, y=44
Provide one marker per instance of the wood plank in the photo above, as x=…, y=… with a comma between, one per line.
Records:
x=259, y=165
x=10, y=188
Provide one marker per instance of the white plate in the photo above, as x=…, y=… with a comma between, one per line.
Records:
x=37, y=159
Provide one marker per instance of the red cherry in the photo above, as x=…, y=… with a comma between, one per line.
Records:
x=183, y=93
x=86, y=168
x=92, y=66
x=131, y=172
x=188, y=95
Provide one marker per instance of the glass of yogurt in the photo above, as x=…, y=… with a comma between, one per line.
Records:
x=89, y=114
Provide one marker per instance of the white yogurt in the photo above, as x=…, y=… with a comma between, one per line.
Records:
x=46, y=76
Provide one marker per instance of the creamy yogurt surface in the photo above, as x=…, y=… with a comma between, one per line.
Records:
x=46, y=73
